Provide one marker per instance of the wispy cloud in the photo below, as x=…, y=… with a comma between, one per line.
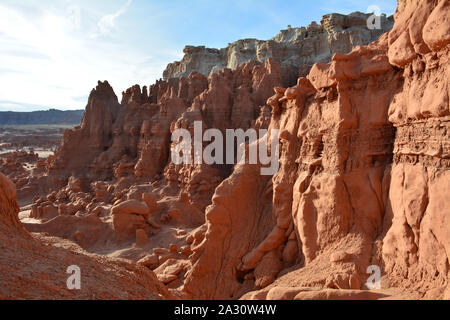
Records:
x=48, y=60
x=108, y=22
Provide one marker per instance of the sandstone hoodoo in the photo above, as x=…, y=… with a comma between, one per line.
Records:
x=358, y=208
x=33, y=266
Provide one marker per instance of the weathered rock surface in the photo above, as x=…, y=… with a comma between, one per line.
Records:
x=333, y=294
x=416, y=247
x=336, y=143
x=349, y=179
x=34, y=266
x=296, y=49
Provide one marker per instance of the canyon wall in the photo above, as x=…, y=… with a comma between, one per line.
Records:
x=363, y=174
x=416, y=248
x=330, y=192
x=132, y=139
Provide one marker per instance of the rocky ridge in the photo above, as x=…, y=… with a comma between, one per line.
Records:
x=296, y=49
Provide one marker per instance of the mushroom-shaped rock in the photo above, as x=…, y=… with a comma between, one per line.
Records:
x=320, y=76
x=274, y=102
x=291, y=93
x=304, y=87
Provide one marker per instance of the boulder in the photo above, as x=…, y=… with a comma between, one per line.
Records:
x=336, y=294
x=131, y=207
x=127, y=223
x=285, y=293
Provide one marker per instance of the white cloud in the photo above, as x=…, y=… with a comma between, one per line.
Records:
x=48, y=59
x=107, y=23
x=74, y=16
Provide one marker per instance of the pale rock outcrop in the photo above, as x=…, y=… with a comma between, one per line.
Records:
x=296, y=49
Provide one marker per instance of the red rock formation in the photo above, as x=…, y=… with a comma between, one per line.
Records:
x=335, y=175
x=127, y=169
x=334, y=152
x=34, y=267
x=416, y=248
x=9, y=208
x=363, y=179
x=93, y=136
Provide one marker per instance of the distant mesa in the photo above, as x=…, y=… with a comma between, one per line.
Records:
x=52, y=116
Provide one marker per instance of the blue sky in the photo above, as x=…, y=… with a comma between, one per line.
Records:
x=52, y=52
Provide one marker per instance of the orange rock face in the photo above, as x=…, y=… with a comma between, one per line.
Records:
x=363, y=179
x=417, y=245
x=359, y=164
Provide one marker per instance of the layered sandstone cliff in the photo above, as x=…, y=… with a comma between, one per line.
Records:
x=363, y=150
x=330, y=192
x=416, y=247
x=296, y=49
